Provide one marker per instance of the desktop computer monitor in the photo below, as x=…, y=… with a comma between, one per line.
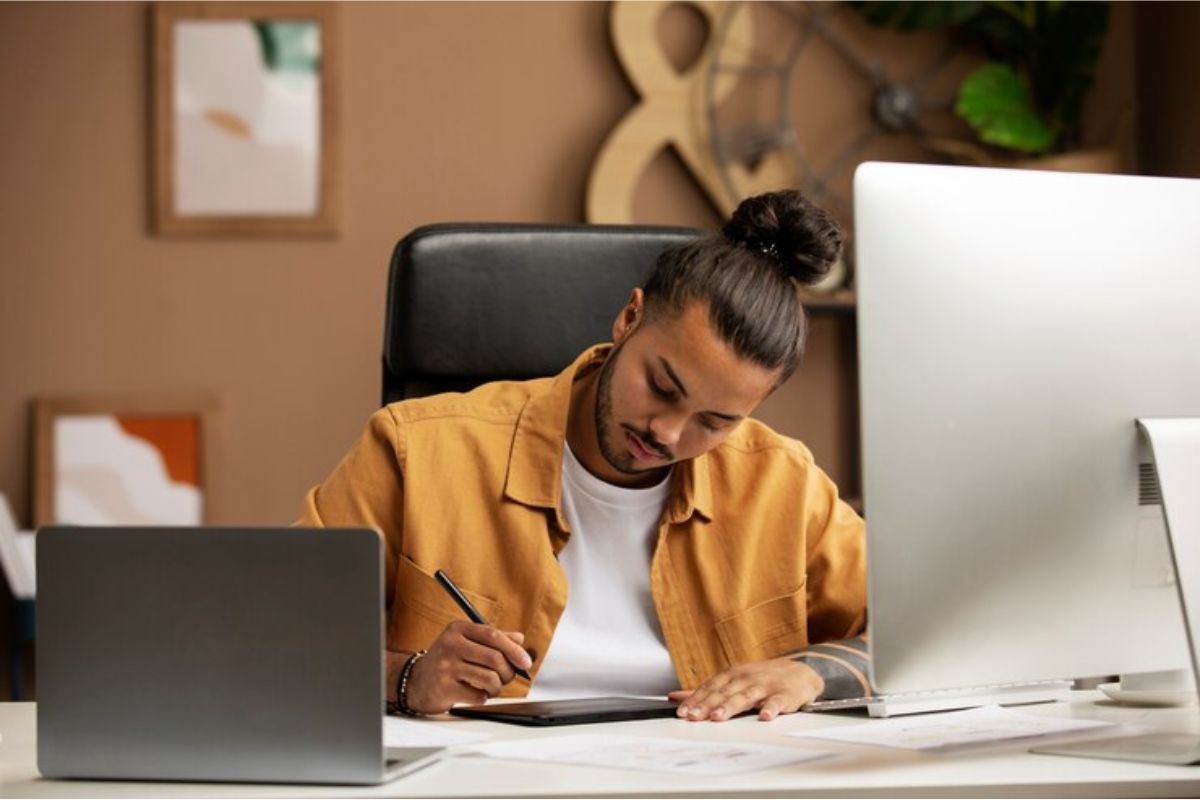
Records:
x=1012, y=327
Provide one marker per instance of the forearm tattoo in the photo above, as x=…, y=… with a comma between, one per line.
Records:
x=843, y=665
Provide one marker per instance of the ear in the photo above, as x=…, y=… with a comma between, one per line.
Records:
x=630, y=317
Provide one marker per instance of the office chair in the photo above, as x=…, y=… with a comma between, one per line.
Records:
x=469, y=303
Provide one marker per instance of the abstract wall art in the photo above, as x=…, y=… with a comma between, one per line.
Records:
x=137, y=461
x=244, y=118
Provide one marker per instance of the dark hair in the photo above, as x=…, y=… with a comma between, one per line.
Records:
x=749, y=273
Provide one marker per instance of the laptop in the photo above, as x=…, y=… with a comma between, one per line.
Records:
x=213, y=654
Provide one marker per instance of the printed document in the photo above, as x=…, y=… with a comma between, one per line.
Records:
x=653, y=754
x=406, y=732
x=17, y=555
x=949, y=731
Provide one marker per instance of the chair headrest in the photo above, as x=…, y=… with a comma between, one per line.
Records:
x=473, y=302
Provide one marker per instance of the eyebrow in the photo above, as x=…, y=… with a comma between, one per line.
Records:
x=674, y=378
x=666, y=365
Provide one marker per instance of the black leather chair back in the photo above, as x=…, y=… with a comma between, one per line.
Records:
x=475, y=302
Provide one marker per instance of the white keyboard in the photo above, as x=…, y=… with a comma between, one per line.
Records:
x=1008, y=694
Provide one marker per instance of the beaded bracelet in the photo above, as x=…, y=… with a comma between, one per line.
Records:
x=401, y=703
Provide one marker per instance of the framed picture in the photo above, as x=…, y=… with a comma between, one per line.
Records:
x=245, y=137
x=123, y=461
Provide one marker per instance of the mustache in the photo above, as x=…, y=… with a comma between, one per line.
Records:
x=648, y=439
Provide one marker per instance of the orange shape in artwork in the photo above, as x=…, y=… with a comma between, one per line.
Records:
x=177, y=440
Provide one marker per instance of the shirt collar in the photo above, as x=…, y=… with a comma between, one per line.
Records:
x=535, y=459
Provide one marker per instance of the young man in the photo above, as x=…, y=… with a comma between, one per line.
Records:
x=623, y=527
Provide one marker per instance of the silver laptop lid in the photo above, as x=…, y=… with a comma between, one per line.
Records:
x=229, y=654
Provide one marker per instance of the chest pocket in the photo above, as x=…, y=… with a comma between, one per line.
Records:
x=767, y=630
x=422, y=608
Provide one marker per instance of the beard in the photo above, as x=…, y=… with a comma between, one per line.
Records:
x=617, y=456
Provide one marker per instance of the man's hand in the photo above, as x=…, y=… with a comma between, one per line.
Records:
x=777, y=686
x=467, y=663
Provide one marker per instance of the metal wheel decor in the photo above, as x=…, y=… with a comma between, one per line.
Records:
x=765, y=154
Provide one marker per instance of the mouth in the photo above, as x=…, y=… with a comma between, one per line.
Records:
x=640, y=451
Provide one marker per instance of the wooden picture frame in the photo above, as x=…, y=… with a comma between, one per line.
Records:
x=247, y=143
x=123, y=460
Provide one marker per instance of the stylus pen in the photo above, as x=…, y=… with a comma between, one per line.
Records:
x=469, y=609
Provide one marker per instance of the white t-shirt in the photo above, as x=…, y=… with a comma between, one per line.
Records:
x=608, y=640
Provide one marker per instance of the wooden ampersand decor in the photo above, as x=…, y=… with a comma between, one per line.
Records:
x=673, y=112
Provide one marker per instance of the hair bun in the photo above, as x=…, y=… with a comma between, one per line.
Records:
x=803, y=239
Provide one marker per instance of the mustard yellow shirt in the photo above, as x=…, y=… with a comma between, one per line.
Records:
x=756, y=555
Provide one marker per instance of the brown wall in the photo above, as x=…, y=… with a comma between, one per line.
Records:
x=454, y=111
x=449, y=111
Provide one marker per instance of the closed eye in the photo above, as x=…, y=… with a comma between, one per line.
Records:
x=666, y=394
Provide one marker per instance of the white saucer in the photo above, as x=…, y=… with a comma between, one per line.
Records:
x=1148, y=697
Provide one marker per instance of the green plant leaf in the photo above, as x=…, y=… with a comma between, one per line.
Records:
x=905, y=15
x=995, y=101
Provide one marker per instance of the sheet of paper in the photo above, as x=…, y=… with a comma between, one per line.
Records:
x=952, y=730
x=405, y=732
x=27, y=552
x=653, y=754
x=16, y=555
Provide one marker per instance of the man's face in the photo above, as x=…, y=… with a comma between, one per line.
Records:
x=671, y=390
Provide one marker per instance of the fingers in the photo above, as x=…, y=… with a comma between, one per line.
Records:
x=772, y=707
x=519, y=638
x=742, y=697
x=467, y=663
x=481, y=679
x=679, y=695
x=502, y=641
x=706, y=697
x=777, y=686
x=493, y=660
x=725, y=700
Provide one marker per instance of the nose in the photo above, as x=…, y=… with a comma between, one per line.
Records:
x=667, y=428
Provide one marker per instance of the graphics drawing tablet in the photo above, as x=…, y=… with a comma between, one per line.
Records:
x=570, y=712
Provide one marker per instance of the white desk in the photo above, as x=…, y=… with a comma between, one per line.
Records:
x=857, y=771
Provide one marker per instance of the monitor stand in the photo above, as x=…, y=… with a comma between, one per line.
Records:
x=1169, y=688
x=1175, y=446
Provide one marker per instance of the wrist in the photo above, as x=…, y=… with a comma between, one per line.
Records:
x=839, y=675
x=812, y=675
x=403, y=682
